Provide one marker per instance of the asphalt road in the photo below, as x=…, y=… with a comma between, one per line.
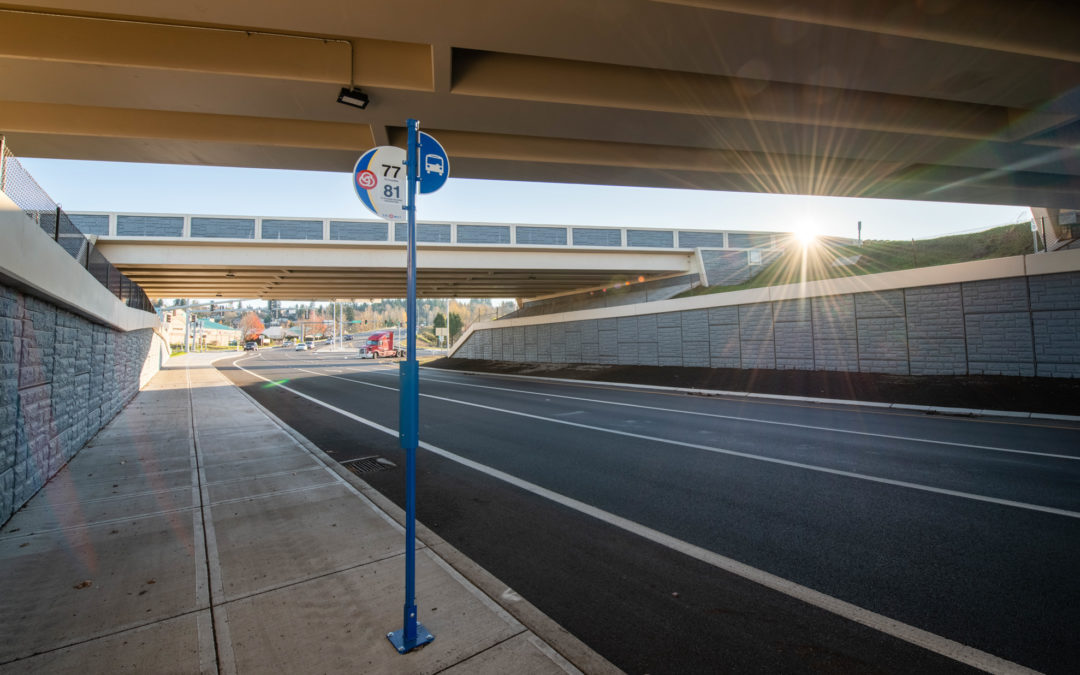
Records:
x=680, y=534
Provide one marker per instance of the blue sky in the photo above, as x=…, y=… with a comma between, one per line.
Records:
x=157, y=188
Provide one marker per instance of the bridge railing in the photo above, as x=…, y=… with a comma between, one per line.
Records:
x=166, y=226
x=17, y=183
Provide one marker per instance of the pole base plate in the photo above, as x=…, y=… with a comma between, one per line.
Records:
x=397, y=638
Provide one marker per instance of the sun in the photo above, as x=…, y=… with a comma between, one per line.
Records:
x=806, y=232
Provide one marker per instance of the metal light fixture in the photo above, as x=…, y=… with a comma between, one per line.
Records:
x=353, y=97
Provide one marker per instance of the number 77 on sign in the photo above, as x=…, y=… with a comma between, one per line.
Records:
x=379, y=178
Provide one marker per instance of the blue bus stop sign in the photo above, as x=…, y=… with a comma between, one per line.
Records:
x=434, y=164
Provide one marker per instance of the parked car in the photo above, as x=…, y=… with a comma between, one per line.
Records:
x=301, y=346
x=251, y=346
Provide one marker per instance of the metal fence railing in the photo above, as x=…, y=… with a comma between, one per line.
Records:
x=17, y=183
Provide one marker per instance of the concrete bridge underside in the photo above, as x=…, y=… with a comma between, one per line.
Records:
x=951, y=100
x=305, y=271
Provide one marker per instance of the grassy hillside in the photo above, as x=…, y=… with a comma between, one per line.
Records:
x=825, y=258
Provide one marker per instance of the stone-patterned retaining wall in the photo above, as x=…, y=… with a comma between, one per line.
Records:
x=1027, y=326
x=61, y=379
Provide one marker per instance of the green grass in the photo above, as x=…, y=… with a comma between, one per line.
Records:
x=883, y=256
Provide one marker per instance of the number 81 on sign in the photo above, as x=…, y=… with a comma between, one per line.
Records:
x=380, y=181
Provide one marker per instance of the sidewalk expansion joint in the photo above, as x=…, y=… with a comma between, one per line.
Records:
x=314, y=577
x=51, y=506
x=275, y=493
x=107, y=634
x=484, y=651
x=97, y=523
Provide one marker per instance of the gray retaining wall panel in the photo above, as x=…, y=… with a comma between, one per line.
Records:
x=794, y=345
x=590, y=352
x=758, y=354
x=648, y=354
x=543, y=343
x=1004, y=337
x=882, y=339
x=996, y=295
x=791, y=310
x=834, y=317
x=669, y=320
x=978, y=327
x=883, y=366
x=726, y=268
x=880, y=304
x=696, y=354
x=838, y=355
x=61, y=379
x=609, y=346
x=724, y=349
x=723, y=315
x=934, y=312
x=937, y=356
x=756, y=322
x=695, y=326
x=1057, y=337
x=1055, y=291
x=646, y=328
x=589, y=331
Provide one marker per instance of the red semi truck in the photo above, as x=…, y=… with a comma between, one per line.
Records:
x=381, y=344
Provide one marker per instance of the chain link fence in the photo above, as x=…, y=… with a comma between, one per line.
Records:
x=17, y=183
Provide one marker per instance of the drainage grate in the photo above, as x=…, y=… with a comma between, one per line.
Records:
x=368, y=465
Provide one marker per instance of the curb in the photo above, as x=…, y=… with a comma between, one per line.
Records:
x=938, y=410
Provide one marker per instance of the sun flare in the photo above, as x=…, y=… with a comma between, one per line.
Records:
x=806, y=232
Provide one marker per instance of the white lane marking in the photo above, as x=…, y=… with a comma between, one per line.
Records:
x=745, y=455
x=946, y=410
x=764, y=421
x=910, y=634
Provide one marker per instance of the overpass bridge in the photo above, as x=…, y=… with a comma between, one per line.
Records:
x=184, y=255
x=972, y=101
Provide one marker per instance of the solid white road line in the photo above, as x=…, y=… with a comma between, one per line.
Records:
x=737, y=418
x=910, y=634
x=744, y=455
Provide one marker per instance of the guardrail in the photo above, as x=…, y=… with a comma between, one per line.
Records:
x=17, y=183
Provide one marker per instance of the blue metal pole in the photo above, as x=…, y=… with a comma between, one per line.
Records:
x=412, y=633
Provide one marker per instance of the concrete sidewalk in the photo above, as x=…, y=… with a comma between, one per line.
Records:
x=195, y=533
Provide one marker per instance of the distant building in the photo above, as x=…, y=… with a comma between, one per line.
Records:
x=210, y=333
x=172, y=325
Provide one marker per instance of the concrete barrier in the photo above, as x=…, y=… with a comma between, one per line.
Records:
x=1010, y=316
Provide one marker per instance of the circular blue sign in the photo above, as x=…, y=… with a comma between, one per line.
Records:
x=434, y=164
